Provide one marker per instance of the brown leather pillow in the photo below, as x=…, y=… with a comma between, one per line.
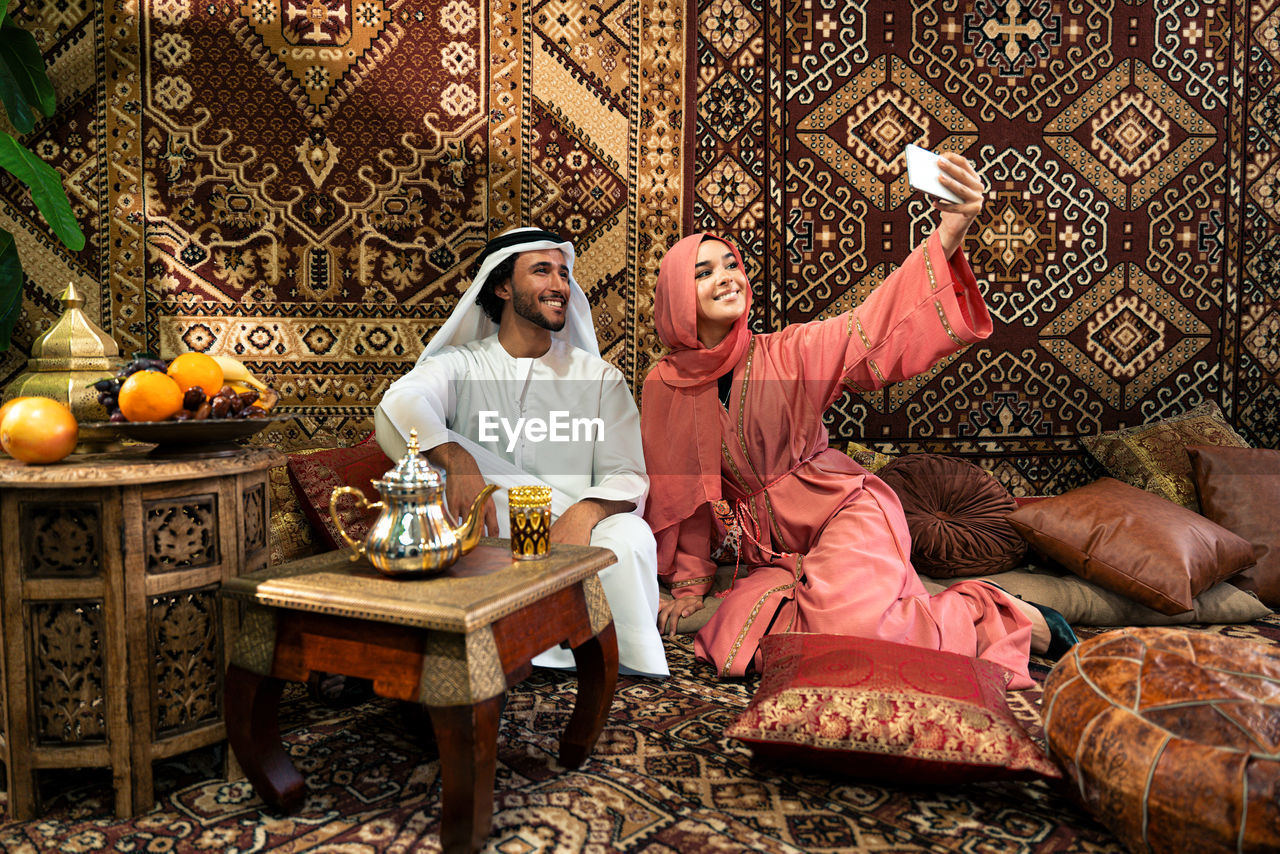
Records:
x=1239, y=488
x=1132, y=542
x=958, y=516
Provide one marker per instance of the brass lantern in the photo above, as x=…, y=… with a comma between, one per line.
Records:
x=65, y=363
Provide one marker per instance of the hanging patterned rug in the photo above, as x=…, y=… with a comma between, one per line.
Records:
x=1128, y=246
x=302, y=184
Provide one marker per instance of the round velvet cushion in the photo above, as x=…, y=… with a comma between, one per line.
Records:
x=958, y=516
x=1172, y=737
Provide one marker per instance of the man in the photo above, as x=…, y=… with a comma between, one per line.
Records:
x=512, y=390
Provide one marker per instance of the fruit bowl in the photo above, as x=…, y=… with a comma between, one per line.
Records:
x=205, y=438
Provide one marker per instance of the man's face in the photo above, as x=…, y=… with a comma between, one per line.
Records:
x=539, y=288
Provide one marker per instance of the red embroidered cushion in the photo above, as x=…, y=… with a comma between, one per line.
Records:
x=886, y=711
x=315, y=474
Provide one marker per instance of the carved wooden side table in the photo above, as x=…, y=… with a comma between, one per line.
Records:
x=114, y=634
x=453, y=642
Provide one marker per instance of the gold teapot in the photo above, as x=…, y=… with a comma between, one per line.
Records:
x=413, y=535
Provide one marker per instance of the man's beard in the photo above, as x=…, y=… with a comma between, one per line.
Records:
x=530, y=309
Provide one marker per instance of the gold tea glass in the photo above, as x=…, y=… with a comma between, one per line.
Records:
x=530, y=521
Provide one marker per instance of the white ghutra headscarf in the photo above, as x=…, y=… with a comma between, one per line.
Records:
x=470, y=323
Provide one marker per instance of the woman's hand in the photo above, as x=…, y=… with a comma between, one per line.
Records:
x=958, y=176
x=673, y=610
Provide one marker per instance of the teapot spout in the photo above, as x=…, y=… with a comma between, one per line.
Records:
x=469, y=531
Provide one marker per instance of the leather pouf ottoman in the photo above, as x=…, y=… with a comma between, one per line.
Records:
x=1172, y=738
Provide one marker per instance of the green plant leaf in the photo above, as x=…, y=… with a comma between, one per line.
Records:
x=10, y=288
x=46, y=190
x=15, y=101
x=19, y=51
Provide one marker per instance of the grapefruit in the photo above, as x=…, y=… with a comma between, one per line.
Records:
x=37, y=430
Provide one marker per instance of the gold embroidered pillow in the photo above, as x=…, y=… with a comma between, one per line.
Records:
x=1154, y=456
x=867, y=457
x=886, y=711
x=292, y=536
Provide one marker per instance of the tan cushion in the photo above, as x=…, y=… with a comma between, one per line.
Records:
x=1133, y=543
x=1170, y=738
x=1082, y=603
x=1085, y=604
x=1153, y=456
x=689, y=625
x=958, y=515
x=1239, y=488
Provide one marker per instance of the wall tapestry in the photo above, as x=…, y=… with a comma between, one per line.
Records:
x=1130, y=247
x=303, y=183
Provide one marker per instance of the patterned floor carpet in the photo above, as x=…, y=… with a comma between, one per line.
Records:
x=661, y=779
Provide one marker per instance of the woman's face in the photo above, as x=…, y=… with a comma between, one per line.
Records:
x=722, y=290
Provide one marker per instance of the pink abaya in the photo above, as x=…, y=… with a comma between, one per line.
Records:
x=825, y=546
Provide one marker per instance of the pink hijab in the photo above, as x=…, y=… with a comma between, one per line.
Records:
x=680, y=410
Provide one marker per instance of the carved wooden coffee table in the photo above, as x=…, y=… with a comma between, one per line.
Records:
x=454, y=642
x=114, y=634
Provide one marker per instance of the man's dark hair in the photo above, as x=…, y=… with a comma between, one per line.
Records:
x=489, y=301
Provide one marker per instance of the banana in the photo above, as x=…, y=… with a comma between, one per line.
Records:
x=267, y=396
x=234, y=371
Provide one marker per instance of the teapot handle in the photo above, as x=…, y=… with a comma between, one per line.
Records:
x=338, y=492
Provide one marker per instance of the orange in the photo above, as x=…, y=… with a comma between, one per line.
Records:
x=192, y=370
x=149, y=396
x=37, y=430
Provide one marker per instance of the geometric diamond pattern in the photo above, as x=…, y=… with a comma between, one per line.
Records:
x=1131, y=133
x=728, y=106
x=729, y=187
x=859, y=131
x=1125, y=335
x=1129, y=247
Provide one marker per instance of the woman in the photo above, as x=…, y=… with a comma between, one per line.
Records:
x=824, y=545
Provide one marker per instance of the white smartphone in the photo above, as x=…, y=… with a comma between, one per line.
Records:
x=923, y=172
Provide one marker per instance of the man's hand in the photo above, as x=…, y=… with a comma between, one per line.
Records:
x=672, y=611
x=463, y=483
x=958, y=176
x=575, y=524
